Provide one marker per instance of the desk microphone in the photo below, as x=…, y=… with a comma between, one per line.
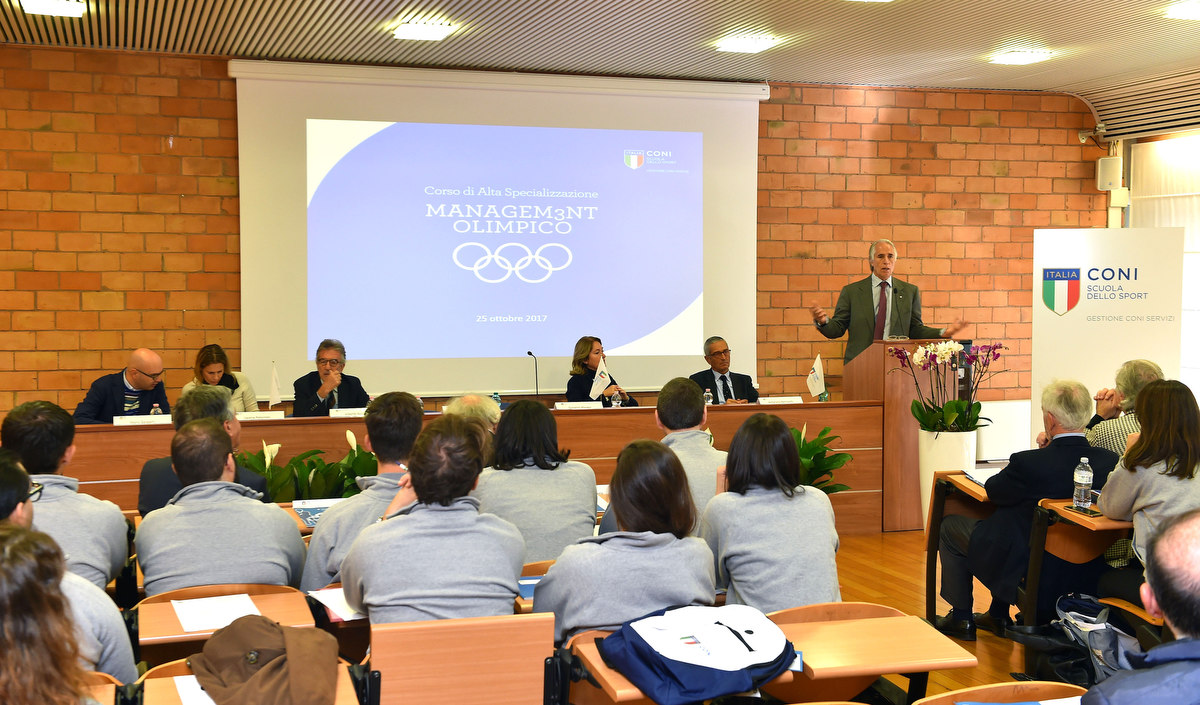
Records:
x=536, y=390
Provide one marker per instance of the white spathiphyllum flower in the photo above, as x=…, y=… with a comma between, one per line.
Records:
x=804, y=432
x=351, y=439
x=269, y=452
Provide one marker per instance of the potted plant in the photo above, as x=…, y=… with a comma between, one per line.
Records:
x=817, y=463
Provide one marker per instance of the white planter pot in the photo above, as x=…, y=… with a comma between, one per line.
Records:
x=942, y=450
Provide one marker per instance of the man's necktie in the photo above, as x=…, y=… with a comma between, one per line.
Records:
x=725, y=391
x=881, y=315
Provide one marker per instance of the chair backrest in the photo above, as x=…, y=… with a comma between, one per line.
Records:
x=99, y=678
x=479, y=659
x=536, y=568
x=832, y=611
x=191, y=593
x=170, y=669
x=1016, y=692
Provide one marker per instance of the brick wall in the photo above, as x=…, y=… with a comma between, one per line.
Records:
x=119, y=212
x=957, y=179
x=118, y=216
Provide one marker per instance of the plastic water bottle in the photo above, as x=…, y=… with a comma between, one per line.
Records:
x=1083, y=485
x=496, y=398
x=156, y=410
x=616, y=400
x=708, y=397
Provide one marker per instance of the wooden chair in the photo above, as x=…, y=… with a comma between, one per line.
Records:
x=480, y=659
x=1016, y=692
x=92, y=678
x=802, y=688
x=191, y=593
x=536, y=568
x=170, y=669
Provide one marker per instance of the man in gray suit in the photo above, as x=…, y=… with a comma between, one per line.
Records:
x=858, y=307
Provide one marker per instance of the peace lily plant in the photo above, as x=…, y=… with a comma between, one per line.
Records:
x=937, y=406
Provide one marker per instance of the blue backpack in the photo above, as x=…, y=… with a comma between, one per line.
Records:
x=689, y=654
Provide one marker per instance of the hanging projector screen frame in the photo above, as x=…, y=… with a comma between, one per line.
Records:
x=275, y=101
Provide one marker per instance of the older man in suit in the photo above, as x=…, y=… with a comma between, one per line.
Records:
x=726, y=387
x=877, y=307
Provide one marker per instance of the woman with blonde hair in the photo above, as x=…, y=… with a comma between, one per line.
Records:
x=589, y=351
x=212, y=367
x=41, y=657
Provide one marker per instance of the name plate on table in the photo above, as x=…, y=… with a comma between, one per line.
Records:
x=259, y=415
x=781, y=400
x=347, y=413
x=577, y=405
x=146, y=420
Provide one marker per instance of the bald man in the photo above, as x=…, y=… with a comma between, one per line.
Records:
x=133, y=391
x=1170, y=672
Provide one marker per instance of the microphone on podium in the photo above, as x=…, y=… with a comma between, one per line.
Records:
x=536, y=390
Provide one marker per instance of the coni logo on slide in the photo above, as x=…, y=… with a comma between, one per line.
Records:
x=494, y=267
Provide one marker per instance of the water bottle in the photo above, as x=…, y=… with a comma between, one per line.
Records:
x=1083, y=485
x=616, y=400
x=156, y=410
x=708, y=397
x=496, y=398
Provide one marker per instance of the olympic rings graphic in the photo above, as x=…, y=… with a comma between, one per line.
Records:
x=509, y=267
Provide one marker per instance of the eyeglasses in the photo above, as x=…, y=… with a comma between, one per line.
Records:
x=156, y=376
x=35, y=492
x=720, y=353
x=329, y=362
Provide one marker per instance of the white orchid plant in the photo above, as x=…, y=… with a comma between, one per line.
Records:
x=937, y=407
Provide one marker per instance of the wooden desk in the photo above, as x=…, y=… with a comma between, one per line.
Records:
x=953, y=493
x=105, y=694
x=162, y=691
x=158, y=623
x=305, y=529
x=838, y=649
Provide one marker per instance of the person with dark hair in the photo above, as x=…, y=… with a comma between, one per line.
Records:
x=134, y=391
x=1168, y=673
x=215, y=531
x=212, y=367
x=726, y=387
x=532, y=484
x=393, y=421
x=682, y=414
x=649, y=564
x=100, y=635
x=1156, y=479
x=92, y=533
x=589, y=351
x=774, y=540
x=158, y=483
x=326, y=387
x=437, y=556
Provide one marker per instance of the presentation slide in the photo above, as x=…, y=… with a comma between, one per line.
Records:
x=504, y=239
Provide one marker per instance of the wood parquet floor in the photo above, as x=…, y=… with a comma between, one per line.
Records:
x=889, y=569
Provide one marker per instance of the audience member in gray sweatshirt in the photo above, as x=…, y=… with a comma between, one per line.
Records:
x=774, y=540
x=92, y=533
x=649, y=564
x=532, y=484
x=215, y=531
x=393, y=421
x=438, y=557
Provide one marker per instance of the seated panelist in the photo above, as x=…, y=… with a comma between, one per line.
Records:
x=726, y=387
x=326, y=387
x=212, y=367
x=589, y=352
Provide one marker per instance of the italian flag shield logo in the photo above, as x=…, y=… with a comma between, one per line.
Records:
x=1060, y=289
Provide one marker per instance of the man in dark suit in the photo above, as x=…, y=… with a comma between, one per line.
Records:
x=996, y=549
x=159, y=483
x=859, y=309
x=134, y=391
x=326, y=387
x=726, y=387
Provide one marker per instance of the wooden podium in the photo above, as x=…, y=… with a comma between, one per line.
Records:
x=870, y=376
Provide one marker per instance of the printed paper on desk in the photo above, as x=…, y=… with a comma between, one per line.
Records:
x=259, y=415
x=190, y=691
x=212, y=613
x=982, y=475
x=146, y=420
x=335, y=600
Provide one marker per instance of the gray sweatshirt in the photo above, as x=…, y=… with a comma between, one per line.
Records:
x=1147, y=498
x=604, y=581
x=212, y=533
x=103, y=641
x=551, y=508
x=700, y=461
x=773, y=551
x=341, y=524
x=434, y=562
x=92, y=533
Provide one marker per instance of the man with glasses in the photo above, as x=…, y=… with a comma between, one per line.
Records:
x=726, y=387
x=135, y=391
x=92, y=533
x=327, y=388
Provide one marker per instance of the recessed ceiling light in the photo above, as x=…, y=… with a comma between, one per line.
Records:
x=424, y=31
x=1020, y=57
x=57, y=8
x=746, y=43
x=1184, y=10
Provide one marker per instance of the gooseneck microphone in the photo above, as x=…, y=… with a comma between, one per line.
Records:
x=536, y=390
